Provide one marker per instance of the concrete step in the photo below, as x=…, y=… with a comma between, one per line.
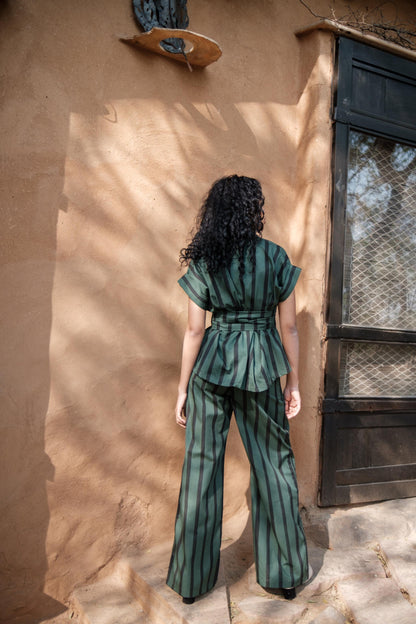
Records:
x=136, y=593
x=377, y=600
x=107, y=602
x=367, y=577
x=145, y=575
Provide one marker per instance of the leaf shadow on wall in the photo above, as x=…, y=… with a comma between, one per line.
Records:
x=103, y=189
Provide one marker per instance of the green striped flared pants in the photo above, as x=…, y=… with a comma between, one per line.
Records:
x=279, y=541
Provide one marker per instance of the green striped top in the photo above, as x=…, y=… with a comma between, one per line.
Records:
x=242, y=347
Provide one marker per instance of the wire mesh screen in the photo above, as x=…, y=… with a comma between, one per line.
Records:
x=379, y=287
x=377, y=370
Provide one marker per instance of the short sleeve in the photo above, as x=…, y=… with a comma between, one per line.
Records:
x=195, y=286
x=287, y=276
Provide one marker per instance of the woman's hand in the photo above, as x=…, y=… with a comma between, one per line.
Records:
x=292, y=401
x=180, y=409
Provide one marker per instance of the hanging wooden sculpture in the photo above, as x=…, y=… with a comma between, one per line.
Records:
x=165, y=23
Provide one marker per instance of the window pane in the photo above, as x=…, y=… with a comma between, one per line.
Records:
x=379, y=287
x=377, y=370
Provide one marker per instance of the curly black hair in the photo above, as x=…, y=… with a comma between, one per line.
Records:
x=228, y=224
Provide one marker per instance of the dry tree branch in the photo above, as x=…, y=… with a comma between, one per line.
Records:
x=373, y=21
x=310, y=10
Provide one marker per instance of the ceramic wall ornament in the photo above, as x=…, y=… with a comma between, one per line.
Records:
x=165, y=23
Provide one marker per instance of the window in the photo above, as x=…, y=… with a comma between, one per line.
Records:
x=370, y=389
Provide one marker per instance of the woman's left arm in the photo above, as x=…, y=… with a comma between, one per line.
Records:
x=194, y=334
x=290, y=340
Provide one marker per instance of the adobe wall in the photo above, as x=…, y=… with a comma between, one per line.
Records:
x=107, y=152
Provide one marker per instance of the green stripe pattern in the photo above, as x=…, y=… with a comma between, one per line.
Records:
x=279, y=541
x=237, y=370
x=242, y=347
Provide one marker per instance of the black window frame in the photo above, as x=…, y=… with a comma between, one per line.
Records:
x=360, y=413
x=347, y=118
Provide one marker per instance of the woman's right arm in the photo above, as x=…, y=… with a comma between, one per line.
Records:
x=290, y=340
x=194, y=334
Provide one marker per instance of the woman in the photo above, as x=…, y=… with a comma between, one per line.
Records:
x=235, y=366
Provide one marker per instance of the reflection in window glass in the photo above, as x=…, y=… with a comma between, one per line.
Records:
x=379, y=288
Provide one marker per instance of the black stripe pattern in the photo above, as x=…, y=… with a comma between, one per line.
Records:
x=279, y=541
x=237, y=370
x=243, y=320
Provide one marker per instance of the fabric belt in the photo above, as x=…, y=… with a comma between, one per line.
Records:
x=244, y=320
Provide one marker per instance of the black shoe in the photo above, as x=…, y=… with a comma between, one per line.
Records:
x=188, y=600
x=290, y=593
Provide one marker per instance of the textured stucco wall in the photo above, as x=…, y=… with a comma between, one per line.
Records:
x=106, y=154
